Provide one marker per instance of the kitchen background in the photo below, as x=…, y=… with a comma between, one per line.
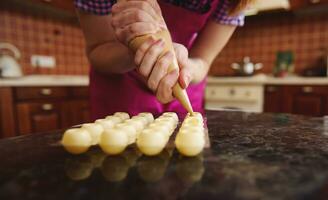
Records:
x=38, y=32
x=49, y=28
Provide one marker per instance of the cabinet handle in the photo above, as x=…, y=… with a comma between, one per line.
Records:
x=232, y=92
x=46, y=91
x=213, y=92
x=271, y=89
x=307, y=89
x=47, y=106
x=314, y=1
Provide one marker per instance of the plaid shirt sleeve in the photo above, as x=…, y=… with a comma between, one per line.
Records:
x=97, y=7
x=221, y=16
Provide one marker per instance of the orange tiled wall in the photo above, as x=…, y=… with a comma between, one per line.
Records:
x=260, y=38
x=41, y=35
x=263, y=36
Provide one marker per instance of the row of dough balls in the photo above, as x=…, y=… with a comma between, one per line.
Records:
x=112, y=134
x=190, y=140
x=153, y=139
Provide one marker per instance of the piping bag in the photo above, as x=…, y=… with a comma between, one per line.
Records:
x=179, y=93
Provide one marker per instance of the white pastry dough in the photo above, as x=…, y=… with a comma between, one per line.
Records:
x=189, y=143
x=194, y=120
x=170, y=125
x=171, y=114
x=144, y=120
x=129, y=130
x=114, y=119
x=148, y=116
x=122, y=115
x=161, y=126
x=191, y=128
x=76, y=140
x=106, y=124
x=113, y=141
x=160, y=129
x=137, y=124
x=95, y=130
x=151, y=143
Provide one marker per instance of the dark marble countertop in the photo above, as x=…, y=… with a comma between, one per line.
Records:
x=252, y=156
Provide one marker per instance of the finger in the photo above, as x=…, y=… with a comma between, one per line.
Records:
x=159, y=70
x=181, y=53
x=141, y=51
x=150, y=58
x=130, y=16
x=185, y=77
x=129, y=32
x=141, y=5
x=164, y=91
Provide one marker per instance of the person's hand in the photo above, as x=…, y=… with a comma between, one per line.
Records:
x=132, y=18
x=154, y=68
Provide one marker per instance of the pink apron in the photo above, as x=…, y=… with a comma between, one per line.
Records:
x=127, y=93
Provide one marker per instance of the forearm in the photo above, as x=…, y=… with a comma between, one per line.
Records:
x=111, y=57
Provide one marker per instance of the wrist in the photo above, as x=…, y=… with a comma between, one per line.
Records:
x=199, y=69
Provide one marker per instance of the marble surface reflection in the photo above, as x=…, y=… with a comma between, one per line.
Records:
x=252, y=156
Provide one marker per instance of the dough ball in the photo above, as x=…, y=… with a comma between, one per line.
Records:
x=106, y=124
x=151, y=143
x=129, y=130
x=162, y=128
x=195, y=114
x=171, y=126
x=115, y=168
x=144, y=120
x=194, y=121
x=115, y=119
x=76, y=140
x=95, y=130
x=191, y=128
x=137, y=124
x=122, y=115
x=189, y=144
x=171, y=114
x=167, y=118
x=113, y=141
x=148, y=116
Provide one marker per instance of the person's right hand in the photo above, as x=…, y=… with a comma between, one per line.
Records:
x=132, y=18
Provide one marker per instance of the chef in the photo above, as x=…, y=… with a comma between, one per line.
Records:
x=122, y=80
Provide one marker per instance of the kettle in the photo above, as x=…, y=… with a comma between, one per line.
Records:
x=247, y=68
x=9, y=66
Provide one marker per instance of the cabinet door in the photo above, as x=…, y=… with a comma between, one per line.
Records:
x=273, y=98
x=297, y=4
x=306, y=100
x=38, y=117
x=77, y=111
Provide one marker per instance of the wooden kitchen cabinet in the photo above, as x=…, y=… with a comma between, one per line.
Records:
x=272, y=98
x=304, y=99
x=299, y=4
x=38, y=117
x=26, y=110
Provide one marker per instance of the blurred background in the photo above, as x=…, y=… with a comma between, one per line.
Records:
x=276, y=63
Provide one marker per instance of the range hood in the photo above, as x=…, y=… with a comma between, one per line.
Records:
x=262, y=5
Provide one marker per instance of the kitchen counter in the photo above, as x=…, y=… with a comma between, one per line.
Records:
x=45, y=80
x=253, y=156
x=268, y=80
